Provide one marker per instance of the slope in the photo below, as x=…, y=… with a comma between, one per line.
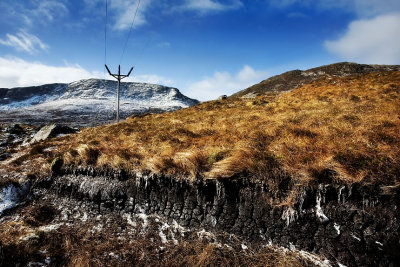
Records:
x=296, y=78
x=342, y=129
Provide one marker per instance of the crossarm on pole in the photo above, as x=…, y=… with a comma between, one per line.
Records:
x=109, y=72
x=119, y=77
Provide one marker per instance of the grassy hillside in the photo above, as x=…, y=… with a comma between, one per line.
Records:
x=340, y=130
x=296, y=78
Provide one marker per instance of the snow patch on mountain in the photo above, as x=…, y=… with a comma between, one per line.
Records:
x=92, y=97
x=101, y=92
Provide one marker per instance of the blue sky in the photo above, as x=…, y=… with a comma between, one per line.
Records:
x=205, y=48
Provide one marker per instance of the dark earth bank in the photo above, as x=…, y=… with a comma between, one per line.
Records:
x=356, y=225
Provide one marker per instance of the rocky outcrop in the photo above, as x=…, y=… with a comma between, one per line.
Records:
x=351, y=225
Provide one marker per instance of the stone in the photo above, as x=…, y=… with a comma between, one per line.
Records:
x=49, y=131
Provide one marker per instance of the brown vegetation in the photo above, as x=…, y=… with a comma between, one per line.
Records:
x=116, y=244
x=345, y=130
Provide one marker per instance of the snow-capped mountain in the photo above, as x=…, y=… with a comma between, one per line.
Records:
x=87, y=102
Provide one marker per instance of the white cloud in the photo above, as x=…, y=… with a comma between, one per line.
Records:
x=16, y=72
x=366, y=8
x=205, y=6
x=164, y=45
x=283, y=3
x=24, y=41
x=373, y=38
x=33, y=12
x=375, y=41
x=122, y=12
x=297, y=15
x=150, y=78
x=224, y=83
x=125, y=11
x=49, y=10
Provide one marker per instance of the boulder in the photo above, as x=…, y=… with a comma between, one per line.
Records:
x=49, y=131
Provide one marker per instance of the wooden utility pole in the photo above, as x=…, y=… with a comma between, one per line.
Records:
x=119, y=77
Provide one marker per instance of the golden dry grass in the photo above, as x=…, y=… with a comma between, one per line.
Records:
x=342, y=130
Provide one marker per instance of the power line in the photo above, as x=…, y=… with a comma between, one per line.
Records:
x=105, y=34
x=130, y=31
x=151, y=37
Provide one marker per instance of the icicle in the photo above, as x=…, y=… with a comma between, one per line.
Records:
x=340, y=195
x=318, y=210
x=218, y=188
x=290, y=215
x=337, y=228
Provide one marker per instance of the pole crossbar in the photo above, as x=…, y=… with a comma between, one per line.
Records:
x=119, y=77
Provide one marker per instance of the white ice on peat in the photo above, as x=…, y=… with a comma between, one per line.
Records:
x=318, y=210
x=163, y=236
x=337, y=228
x=289, y=215
x=9, y=197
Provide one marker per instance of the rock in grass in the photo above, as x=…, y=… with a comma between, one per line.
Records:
x=49, y=131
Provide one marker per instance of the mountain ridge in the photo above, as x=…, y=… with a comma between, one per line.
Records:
x=87, y=98
x=295, y=78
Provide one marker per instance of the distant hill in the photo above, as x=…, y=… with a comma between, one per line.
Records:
x=296, y=78
x=87, y=102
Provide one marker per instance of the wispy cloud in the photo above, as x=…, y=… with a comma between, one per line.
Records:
x=224, y=83
x=48, y=10
x=363, y=8
x=151, y=78
x=370, y=41
x=297, y=15
x=24, y=41
x=124, y=11
x=205, y=6
x=164, y=45
x=33, y=12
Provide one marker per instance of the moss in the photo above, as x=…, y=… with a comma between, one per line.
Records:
x=216, y=156
x=56, y=165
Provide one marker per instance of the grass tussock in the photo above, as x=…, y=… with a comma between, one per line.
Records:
x=346, y=128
